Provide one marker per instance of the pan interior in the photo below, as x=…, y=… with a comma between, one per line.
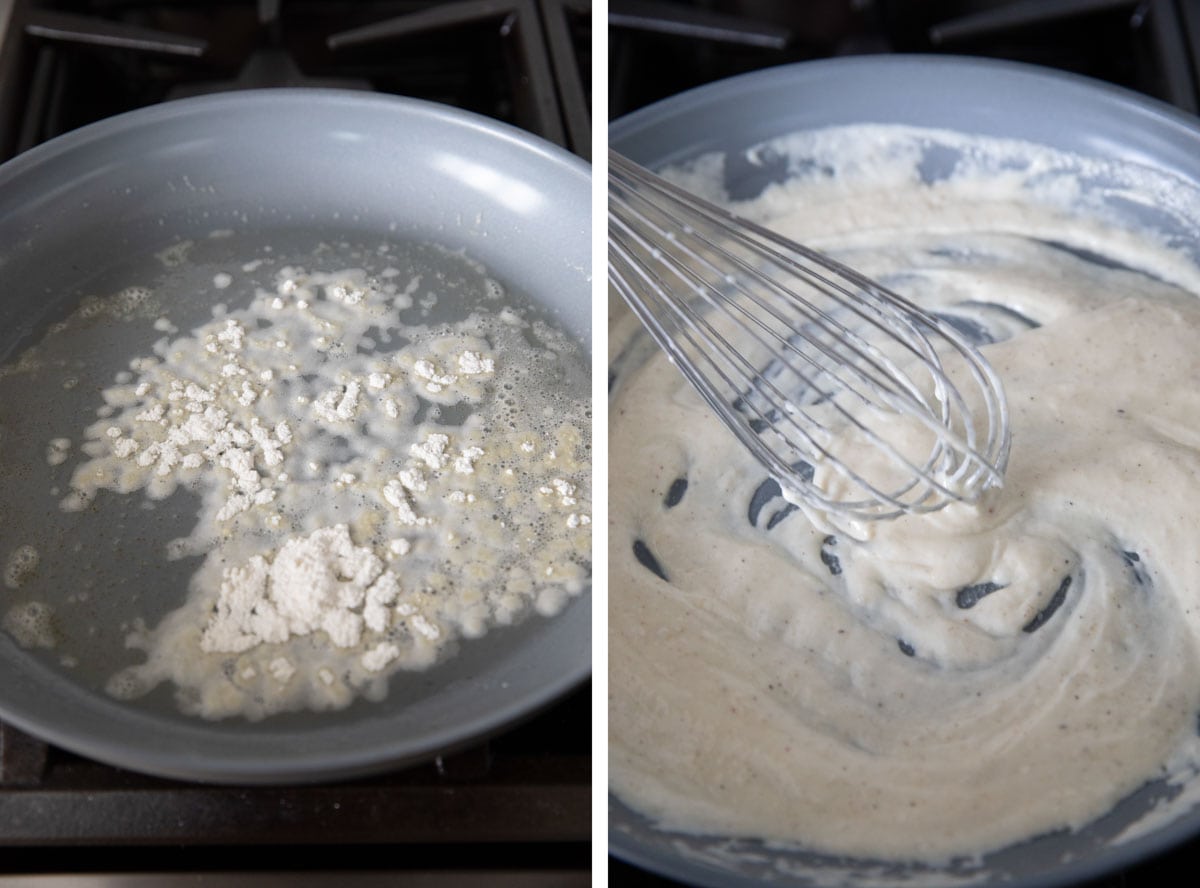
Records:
x=199, y=221
x=1089, y=120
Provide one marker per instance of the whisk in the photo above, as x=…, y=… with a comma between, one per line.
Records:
x=858, y=402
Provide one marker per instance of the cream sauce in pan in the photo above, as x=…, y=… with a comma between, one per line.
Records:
x=951, y=683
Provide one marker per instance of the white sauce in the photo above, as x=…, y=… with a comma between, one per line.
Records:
x=956, y=682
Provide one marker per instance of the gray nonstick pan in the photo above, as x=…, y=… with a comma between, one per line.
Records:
x=260, y=173
x=962, y=95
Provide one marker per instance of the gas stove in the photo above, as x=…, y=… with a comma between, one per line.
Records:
x=514, y=809
x=64, y=64
x=658, y=48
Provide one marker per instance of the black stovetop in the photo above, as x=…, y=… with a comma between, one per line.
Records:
x=517, y=804
x=658, y=48
x=512, y=810
x=64, y=63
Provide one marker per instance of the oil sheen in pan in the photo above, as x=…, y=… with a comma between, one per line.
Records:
x=103, y=572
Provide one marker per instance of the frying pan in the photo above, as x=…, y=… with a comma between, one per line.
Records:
x=278, y=169
x=966, y=95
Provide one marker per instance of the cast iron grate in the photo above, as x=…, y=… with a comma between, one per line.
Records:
x=65, y=64
x=661, y=47
x=529, y=785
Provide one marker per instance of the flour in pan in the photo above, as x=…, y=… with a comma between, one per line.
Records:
x=318, y=582
x=368, y=485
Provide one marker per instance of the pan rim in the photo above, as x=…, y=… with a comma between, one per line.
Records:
x=275, y=97
x=1149, y=125
x=258, y=763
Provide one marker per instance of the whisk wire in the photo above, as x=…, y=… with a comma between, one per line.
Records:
x=862, y=351
x=697, y=323
x=783, y=343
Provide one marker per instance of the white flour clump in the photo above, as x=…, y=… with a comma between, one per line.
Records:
x=57, y=451
x=317, y=582
x=367, y=486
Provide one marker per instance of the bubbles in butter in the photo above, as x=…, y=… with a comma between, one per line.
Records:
x=21, y=564
x=31, y=624
x=398, y=425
